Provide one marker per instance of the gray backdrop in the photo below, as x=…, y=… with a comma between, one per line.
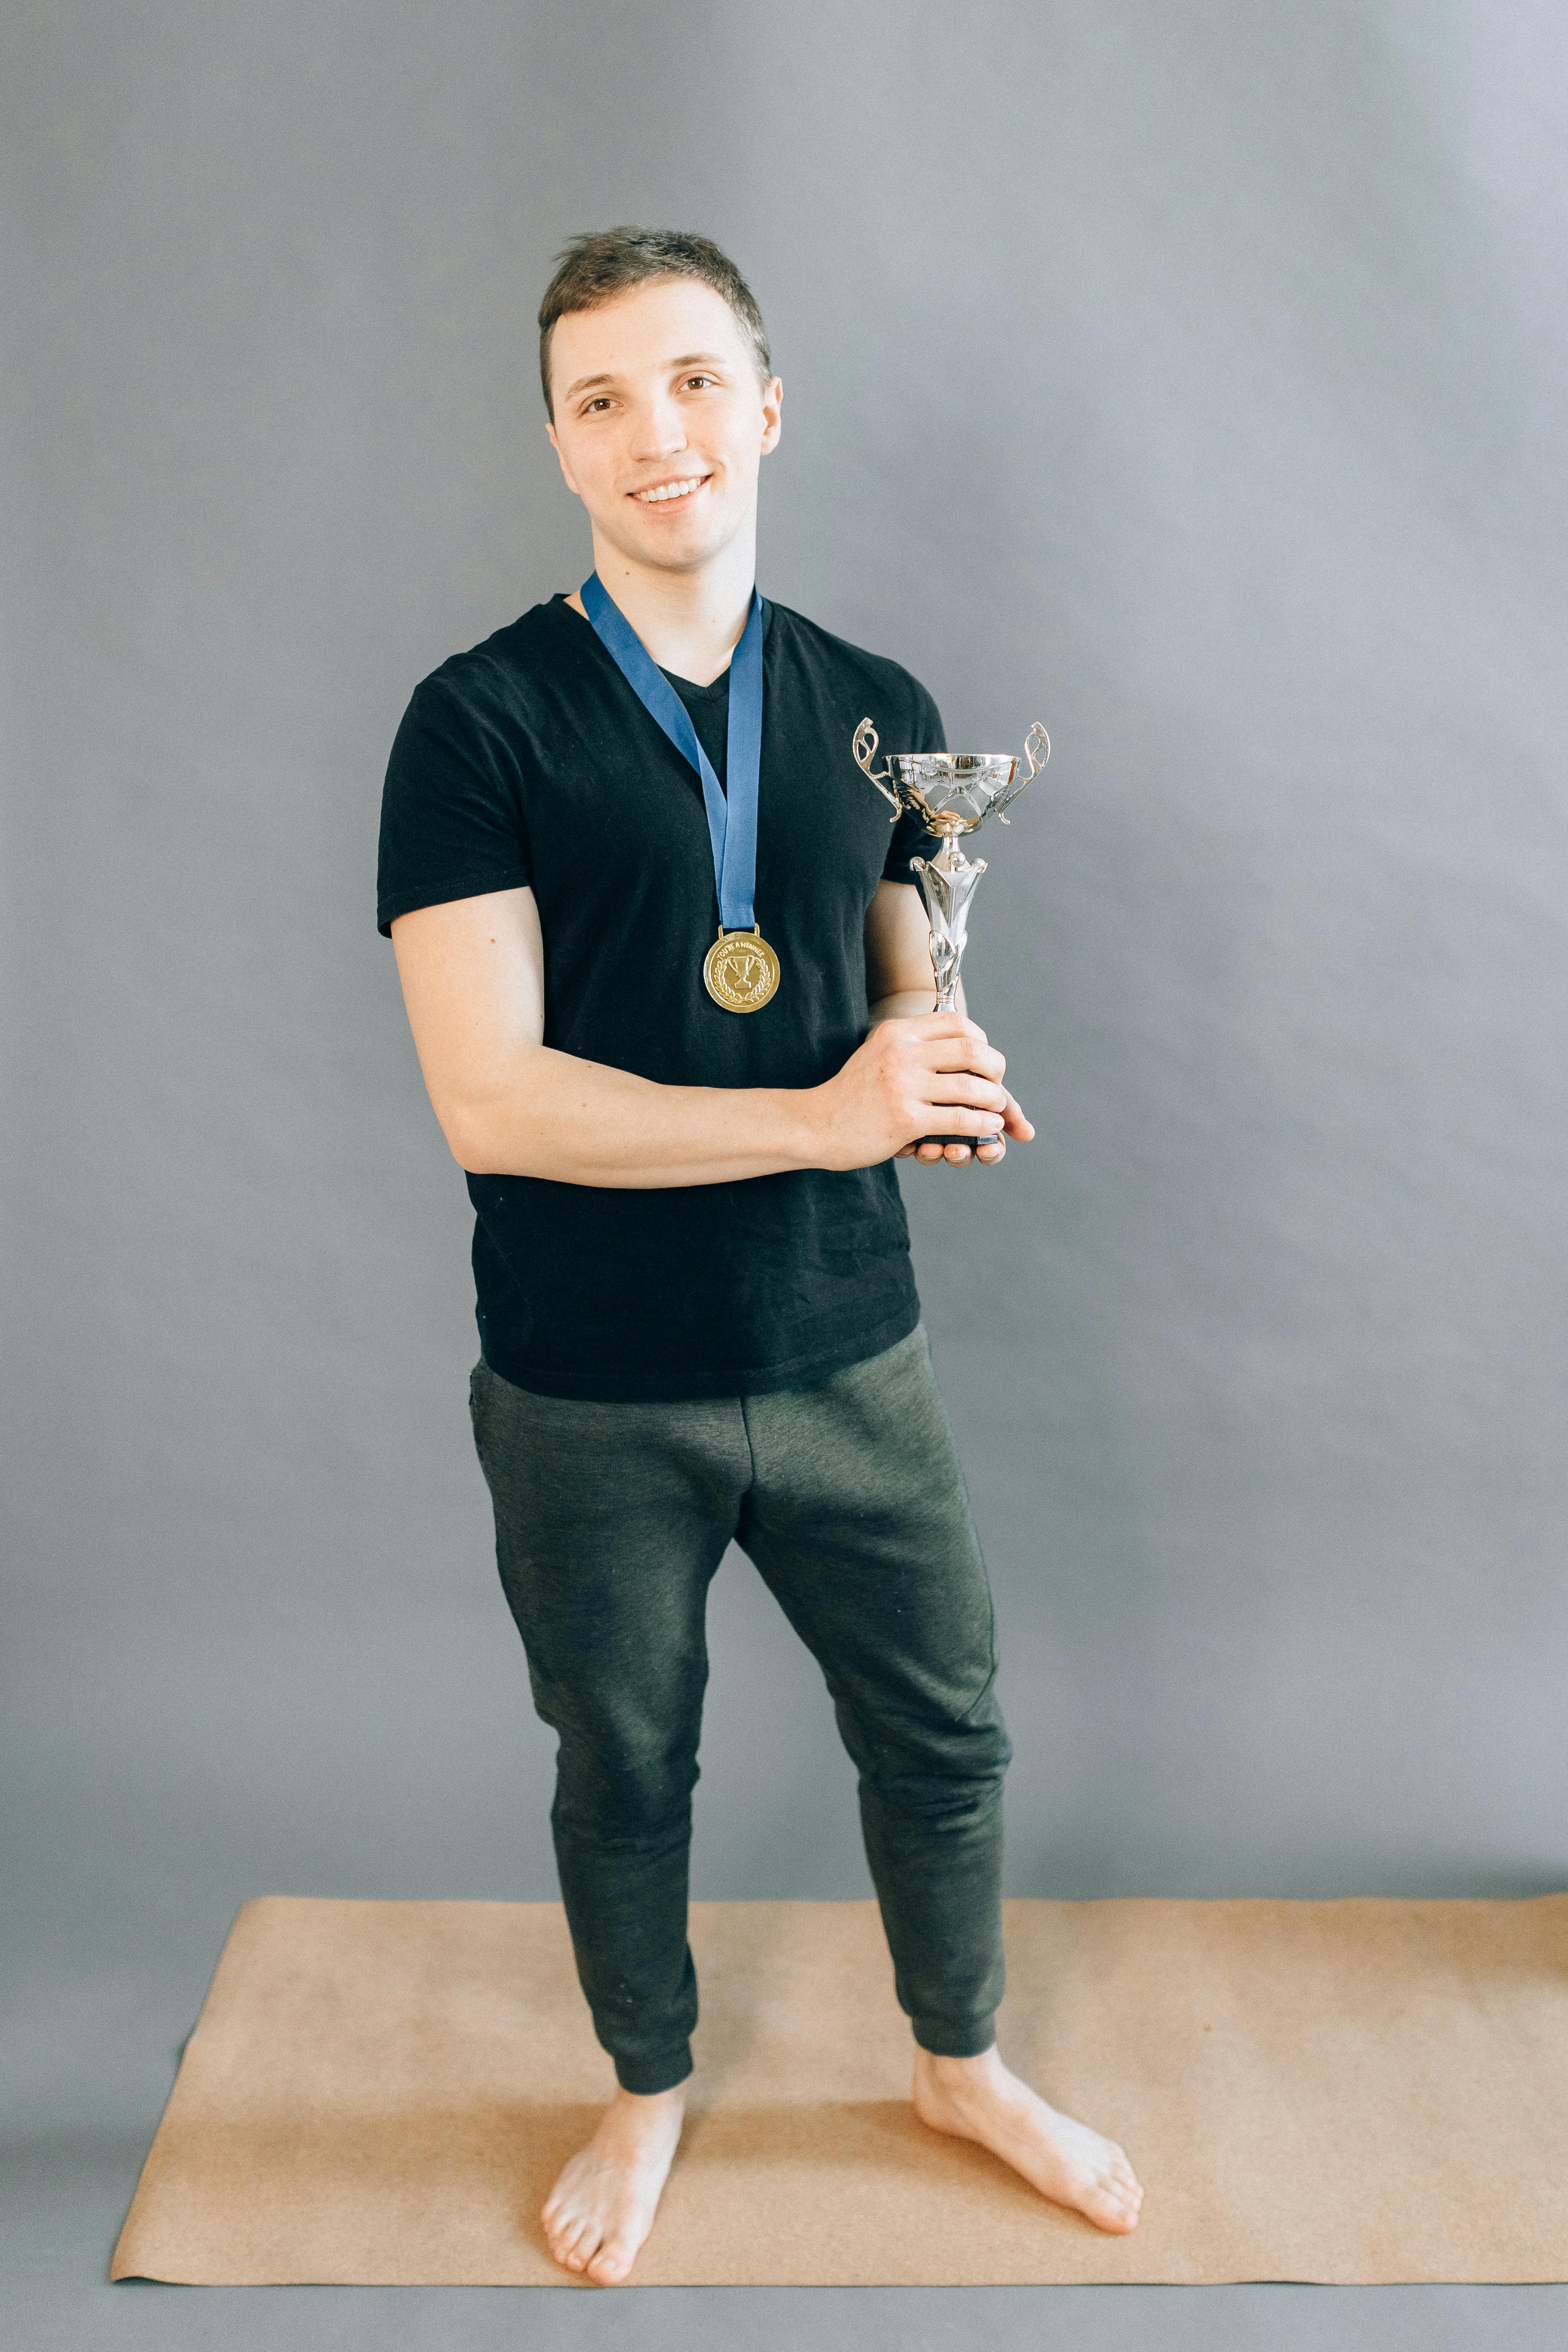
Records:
x=1186, y=373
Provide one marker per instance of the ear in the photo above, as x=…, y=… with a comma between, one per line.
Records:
x=565, y=471
x=772, y=414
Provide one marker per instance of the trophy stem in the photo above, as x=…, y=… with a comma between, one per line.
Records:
x=948, y=882
x=954, y=859
x=947, y=885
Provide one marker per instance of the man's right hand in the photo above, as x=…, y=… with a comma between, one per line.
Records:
x=922, y=1074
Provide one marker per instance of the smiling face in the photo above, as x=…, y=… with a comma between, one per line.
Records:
x=661, y=423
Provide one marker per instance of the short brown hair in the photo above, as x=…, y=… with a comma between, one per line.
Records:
x=596, y=269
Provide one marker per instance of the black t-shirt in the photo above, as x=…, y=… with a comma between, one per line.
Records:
x=531, y=761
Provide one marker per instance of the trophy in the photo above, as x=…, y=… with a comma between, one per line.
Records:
x=951, y=792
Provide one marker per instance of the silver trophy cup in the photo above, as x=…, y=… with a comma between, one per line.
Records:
x=951, y=792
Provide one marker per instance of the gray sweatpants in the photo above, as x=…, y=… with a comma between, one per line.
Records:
x=610, y=1522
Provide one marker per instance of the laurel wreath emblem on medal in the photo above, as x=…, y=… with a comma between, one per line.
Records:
x=740, y=971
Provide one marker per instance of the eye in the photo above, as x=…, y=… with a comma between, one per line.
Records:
x=695, y=383
x=600, y=401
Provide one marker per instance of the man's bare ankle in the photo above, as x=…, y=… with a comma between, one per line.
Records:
x=944, y=2073
x=645, y=2115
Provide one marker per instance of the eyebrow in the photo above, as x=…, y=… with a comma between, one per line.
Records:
x=687, y=359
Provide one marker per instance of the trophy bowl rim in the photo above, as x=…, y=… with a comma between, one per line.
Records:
x=938, y=760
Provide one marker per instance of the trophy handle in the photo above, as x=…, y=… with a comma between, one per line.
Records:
x=1036, y=751
x=865, y=750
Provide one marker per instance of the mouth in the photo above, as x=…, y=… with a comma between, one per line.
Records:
x=671, y=493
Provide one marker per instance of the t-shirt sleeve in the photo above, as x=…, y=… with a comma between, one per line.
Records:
x=451, y=810
x=909, y=838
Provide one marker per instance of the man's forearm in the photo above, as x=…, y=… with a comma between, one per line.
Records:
x=583, y=1123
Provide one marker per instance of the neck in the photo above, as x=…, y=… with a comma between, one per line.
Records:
x=690, y=622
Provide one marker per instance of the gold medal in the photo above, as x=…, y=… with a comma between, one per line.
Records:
x=740, y=971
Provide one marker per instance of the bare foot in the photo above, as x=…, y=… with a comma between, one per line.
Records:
x=601, y=2208
x=977, y=2098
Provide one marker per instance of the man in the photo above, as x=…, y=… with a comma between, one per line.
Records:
x=669, y=980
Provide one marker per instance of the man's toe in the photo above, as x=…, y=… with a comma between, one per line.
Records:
x=612, y=2263
x=578, y=2245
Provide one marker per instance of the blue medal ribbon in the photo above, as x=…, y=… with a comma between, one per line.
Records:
x=732, y=818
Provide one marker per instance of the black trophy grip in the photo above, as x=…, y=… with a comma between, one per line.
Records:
x=972, y=1140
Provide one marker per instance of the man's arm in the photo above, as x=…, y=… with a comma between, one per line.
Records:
x=473, y=980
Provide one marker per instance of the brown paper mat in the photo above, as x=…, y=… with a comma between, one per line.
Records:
x=1356, y=2092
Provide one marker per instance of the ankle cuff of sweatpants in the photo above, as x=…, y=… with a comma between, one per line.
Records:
x=965, y=2038
x=660, y=2071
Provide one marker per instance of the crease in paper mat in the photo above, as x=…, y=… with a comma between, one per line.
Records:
x=1357, y=2091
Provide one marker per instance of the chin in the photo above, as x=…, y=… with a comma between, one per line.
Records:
x=680, y=550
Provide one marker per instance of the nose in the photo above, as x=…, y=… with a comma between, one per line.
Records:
x=662, y=430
